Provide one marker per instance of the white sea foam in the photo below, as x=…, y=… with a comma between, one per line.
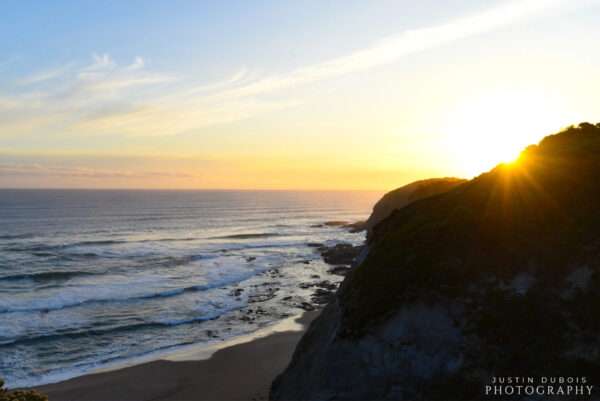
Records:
x=108, y=277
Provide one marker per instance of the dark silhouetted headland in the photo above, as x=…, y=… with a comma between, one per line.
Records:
x=409, y=193
x=496, y=277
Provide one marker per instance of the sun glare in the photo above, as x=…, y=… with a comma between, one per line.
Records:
x=486, y=130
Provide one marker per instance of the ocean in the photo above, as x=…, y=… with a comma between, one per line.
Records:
x=90, y=278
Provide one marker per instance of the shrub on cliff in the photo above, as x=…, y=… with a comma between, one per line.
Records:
x=20, y=395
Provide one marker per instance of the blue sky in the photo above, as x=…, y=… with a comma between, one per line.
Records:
x=240, y=94
x=208, y=38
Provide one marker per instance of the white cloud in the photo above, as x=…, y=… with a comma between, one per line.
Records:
x=133, y=100
x=101, y=61
x=137, y=64
x=47, y=75
x=393, y=48
x=235, y=79
x=46, y=170
x=89, y=90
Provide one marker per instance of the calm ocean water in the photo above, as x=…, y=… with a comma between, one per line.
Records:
x=90, y=278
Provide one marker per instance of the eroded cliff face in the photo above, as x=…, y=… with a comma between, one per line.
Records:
x=448, y=349
x=414, y=346
x=498, y=277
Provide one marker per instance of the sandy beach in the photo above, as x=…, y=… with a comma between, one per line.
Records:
x=238, y=372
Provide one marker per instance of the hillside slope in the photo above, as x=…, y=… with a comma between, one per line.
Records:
x=400, y=197
x=497, y=277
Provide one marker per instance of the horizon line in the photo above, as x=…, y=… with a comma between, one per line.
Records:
x=194, y=189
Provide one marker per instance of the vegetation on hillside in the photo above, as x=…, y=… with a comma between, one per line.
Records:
x=20, y=395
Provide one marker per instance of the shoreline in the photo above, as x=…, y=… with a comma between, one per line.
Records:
x=123, y=379
x=195, y=372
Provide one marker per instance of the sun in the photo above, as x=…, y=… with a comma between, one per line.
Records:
x=492, y=128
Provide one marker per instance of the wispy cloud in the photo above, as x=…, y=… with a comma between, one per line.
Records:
x=237, y=78
x=104, y=96
x=91, y=89
x=393, y=48
x=44, y=170
x=105, y=75
x=46, y=75
x=137, y=64
x=101, y=62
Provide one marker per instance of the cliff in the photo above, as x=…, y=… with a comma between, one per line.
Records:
x=400, y=197
x=497, y=277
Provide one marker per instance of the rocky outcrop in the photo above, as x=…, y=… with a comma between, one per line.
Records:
x=497, y=277
x=340, y=254
x=407, y=194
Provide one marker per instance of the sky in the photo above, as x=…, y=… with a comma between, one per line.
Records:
x=285, y=95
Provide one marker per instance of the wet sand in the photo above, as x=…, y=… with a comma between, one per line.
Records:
x=239, y=372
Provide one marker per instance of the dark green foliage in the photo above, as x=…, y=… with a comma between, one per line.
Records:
x=20, y=395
